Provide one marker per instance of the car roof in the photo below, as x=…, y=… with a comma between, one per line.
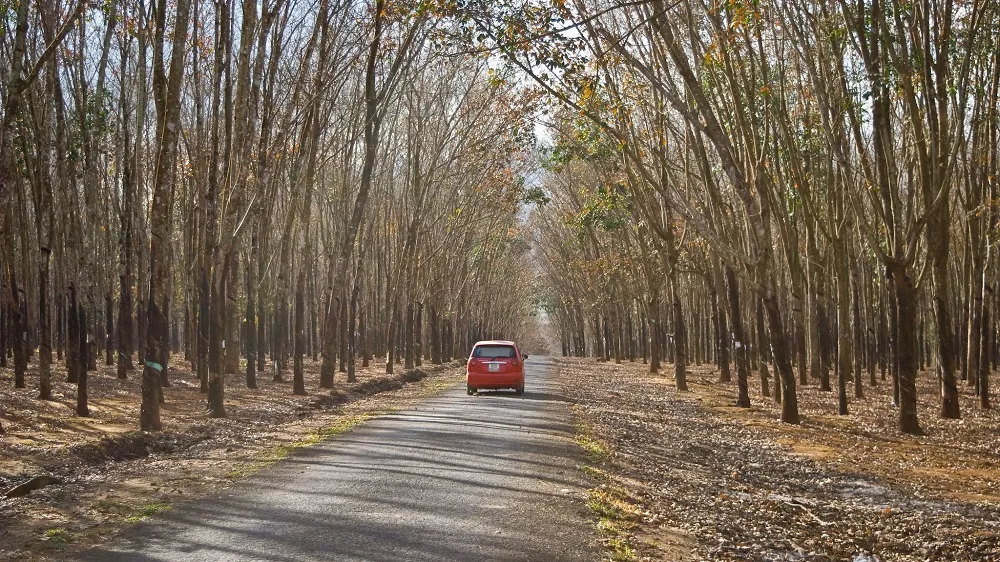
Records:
x=495, y=342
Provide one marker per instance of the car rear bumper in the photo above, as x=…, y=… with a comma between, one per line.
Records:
x=477, y=380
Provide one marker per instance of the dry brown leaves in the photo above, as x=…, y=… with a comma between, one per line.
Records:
x=113, y=474
x=747, y=487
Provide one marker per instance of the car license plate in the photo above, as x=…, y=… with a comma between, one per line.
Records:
x=494, y=367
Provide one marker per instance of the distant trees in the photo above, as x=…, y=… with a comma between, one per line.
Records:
x=829, y=157
x=262, y=180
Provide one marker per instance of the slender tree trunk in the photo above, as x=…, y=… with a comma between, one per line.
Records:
x=344, y=335
x=251, y=319
x=845, y=351
x=351, y=339
x=947, y=353
x=859, y=345
x=125, y=279
x=435, y=329
x=390, y=359
x=782, y=360
x=109, y=329
x=365, y=350
x=160, y=218
x=329, y=343
x=217, y=346
x=825, y=346
x=19, y=339
x=680, y=341
x=761, y=343
x=204, y=325
x=739, y=340
x=72, y=339
x=408, y=348
x=418, y=336
x=82, y=408
x=232, y=323
x=261, y=323
x=298, y=377
x=654, y=333
x=44, y=328
x=985, y=358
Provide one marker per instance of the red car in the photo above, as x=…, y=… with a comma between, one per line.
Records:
x=495, y=365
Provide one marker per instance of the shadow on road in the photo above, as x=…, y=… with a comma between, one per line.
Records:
x=528, y=395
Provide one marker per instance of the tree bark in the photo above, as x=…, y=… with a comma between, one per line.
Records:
x=739, y=340
x=298, y=376
x=906, y=352
x=161, y=218
x=82, y=408
x=251, y=319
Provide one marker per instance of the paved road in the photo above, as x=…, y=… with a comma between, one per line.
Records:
x=477, y=478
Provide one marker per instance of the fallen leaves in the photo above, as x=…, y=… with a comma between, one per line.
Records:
x=746, y=487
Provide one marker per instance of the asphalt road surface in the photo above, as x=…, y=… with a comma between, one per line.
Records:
x=490, y=477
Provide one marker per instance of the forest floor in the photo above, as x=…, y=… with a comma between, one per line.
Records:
x=688, y=476
x=113, y=475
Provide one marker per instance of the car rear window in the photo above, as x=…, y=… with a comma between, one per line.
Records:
x=494, y=352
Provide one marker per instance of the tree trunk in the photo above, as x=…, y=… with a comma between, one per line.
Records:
x=125, y=279
x=435, y=329
x=782, y=360
x=19, y=339
x=946, y=351
x=365, y=350
x=351, y=339
x=761, y=343
x=825, y=347
x=44, y=328
x=390, y=358
x=845, y=351
x=654, y=333
x=327, y=368
x=217, y=346
x=109, y=329
x=82, y=408
x=739, y=340
x=721, y=328
x=232, y=348
x=298, y=377
x=906, y=352
x=986, y=354
x=408, y=348
x=72, y=339
x=251, y=319
x=344, y=335
x=204, y=326
x=418, y=336
x=680, y=342
x=161, y=219
x=858, y=339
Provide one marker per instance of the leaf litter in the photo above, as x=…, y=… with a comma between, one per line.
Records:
x=725, y=483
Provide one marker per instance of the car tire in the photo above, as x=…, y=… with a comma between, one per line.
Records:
x=470, y=390
x=519, y=390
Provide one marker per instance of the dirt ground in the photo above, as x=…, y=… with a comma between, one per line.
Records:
x=113, y=475
x=688, y=476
